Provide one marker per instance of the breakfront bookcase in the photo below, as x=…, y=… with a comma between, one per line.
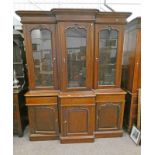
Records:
x=74, y=67
x=131, y=70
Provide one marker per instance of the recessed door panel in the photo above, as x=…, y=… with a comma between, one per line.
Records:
x=108, y=116
x=77, y=120
x=43, y=119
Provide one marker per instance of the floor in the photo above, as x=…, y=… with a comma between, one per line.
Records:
x=102, y=146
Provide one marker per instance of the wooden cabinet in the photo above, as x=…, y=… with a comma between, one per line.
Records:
x=77, y=55
x=20, y=118
x=108, y=116
x=109, y=33
x=109, y=112
x=43, y=121
x=74, y=55
x=108, y=52
x=41, y=55
x=77, y=115
x=131, y=70
x=43, y=115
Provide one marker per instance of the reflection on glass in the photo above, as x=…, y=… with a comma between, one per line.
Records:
x=76, y=56
x=16, y=53
x=42, y=57
x=17, y=60
x=107, y=56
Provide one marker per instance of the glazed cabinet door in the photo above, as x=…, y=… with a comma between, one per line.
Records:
x=108, y=116
x=77, y=121
x=108, y=53
x=41, y=55
x=43, y=121
x=76, y=44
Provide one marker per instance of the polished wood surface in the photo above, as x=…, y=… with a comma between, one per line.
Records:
x=132, y=56
x=29, y=54
x=109, y=113
x=81, y=111
x=43, y=117
x=43, y=121
x=131, y=70
x=42, y=93
x=77, y=115
x=120, y=29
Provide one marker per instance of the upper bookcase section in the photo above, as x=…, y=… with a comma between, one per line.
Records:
x=69, y=15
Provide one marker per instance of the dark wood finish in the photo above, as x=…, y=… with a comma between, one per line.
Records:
x=28, y=41
x=43, y=115
x=110, y=18
x=77, y=113
x=120, y=29
x=108, y=116
x=20, y=119
x=78, y=105
x=139, y=110
x=131, y=70
x=43, y=122
x=19, y=59
x=89, y=53
x=130, y=113
x=109, y=113
x=75, y=15
x=20, y=116
x=36, y=17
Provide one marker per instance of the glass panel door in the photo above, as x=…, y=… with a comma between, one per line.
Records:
x=108, y=40
x=76, y=56
x=42, y=57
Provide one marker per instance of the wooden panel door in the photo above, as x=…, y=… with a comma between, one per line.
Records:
x=43, y=120
x=41, y=55
x=108, y=116
x=108, y=55
x=77, y=121
x=76, y=44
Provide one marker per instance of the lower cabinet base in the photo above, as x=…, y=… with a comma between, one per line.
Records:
x=76, y=117
x=40, y=137
x=108, y=134
x=77, y=139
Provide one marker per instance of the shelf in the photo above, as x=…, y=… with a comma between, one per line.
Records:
x=76, y=61
x=107, y=64
x=41, y=39
x=45, y=50
x=20, y=76
x=18, y=63
x=46, y=72
x=108, y=47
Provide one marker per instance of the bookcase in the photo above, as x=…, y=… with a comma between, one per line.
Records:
x=74, y=67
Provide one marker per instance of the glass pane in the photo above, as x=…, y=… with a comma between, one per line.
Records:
x=19, y=69
x=107, y=56
x=76, y=56
x=17, y=60
x=42, y=57
x=16, y=53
